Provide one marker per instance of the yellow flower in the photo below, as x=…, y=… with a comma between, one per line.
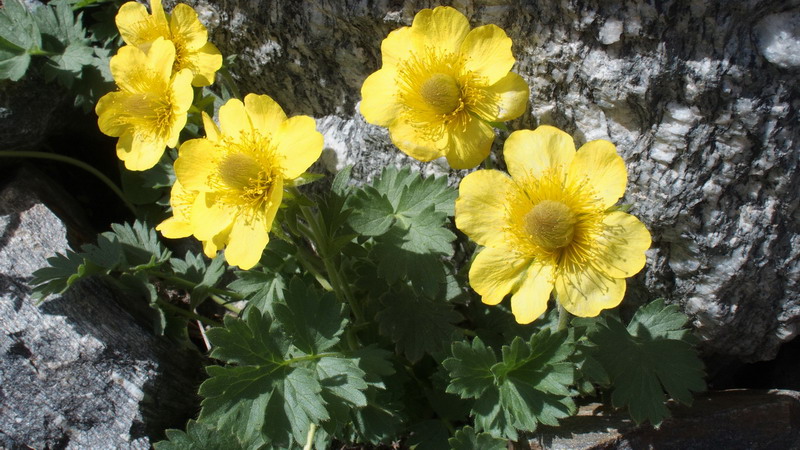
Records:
x=549, y=227
x=149, y=110
x=440, y=83
x=182, y=27
x=234, y=177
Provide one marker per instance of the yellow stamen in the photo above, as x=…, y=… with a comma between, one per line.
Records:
x=441, y=93
x=551, y=224
x=239, y=170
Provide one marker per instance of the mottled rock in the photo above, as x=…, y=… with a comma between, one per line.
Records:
x=701, y=98
x=77, y=371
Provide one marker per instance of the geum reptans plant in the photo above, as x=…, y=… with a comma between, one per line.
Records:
x=550, y=226
x=149, y=109
x=441, y=84
x=368, y=361
x=232, y=181
x=182, y=27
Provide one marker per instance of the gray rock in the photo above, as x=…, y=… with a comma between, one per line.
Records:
x=733, y=419
x=78, y=371
x=700, y=97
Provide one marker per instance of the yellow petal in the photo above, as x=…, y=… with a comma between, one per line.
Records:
x=204, y=63
x=247, y=242
x=442, y=27
x=108, y=112
x=218, y=242
x=172, y=228
x=195, y=164
x=599, y=162
x=211, y=128
x=529, y=153
x=135, y=25
x=265, y=114
x=248, y=238
x=185, y=26
x=159, y=16
x=586, y=293
x=487, y=50
x=512, y=94
x=471, y=145
x=495, y=273
x=398, y=46
x=481, y=206
x=413, y=142
x=299, y=144
x=530, y=300
x=139, y=152
x=129, y=66
x=622, y=244
x=379, y=103
x=233, y=119
x=182, y=97
x=161, y=57
x=210, y=216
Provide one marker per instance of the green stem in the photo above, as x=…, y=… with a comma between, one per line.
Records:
x=74, y=162
x=341, y=288
x=191, y=284
x=563, y=318
x=40, y=52
x=310, y=438
x=306, y=259
x=188, y=314
x=225, y=304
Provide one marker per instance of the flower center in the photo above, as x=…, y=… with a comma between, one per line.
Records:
x=441, y=93
x=239, y=171
x=551, y=224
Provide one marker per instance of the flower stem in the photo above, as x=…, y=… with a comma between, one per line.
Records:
x=310, y=438
x=74, y=162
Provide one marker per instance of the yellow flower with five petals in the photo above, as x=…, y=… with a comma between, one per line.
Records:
x=182, y=27
x=149, y=109
x=439, y=85
x=550, y=226
x=234, y=177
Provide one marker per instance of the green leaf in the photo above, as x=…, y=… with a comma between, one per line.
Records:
x=467, y=439
x=18, y=30
x=528, y=387
x=417, y=325
x=193, y=268
x=313, y=322
x=659, y=321
x=271, y=391
x=200, y=436
x=140, y=245
x=407, y=215
x=652, y=355
x=13, y=67
x=340, y=183
x=264, y=285
x=373, y=212
x=62, y=271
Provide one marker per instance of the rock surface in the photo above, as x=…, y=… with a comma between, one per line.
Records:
x=700, y=97
x=77, y=371
x=735, y=419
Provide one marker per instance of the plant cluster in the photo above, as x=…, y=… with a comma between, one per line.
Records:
x=357, y=313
